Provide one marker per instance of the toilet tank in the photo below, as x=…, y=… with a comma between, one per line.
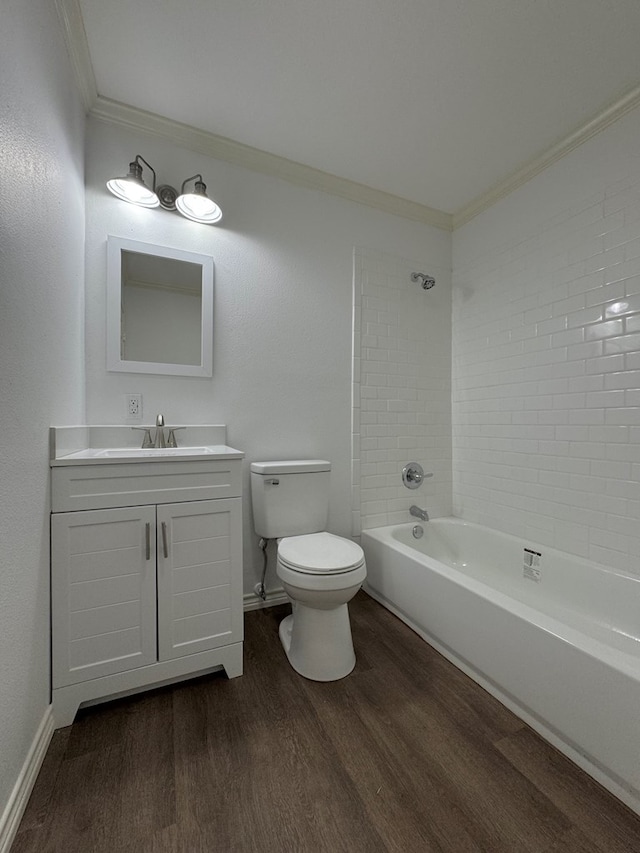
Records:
x=290, y=498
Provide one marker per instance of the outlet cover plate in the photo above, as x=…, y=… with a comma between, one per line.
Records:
x=133, y=409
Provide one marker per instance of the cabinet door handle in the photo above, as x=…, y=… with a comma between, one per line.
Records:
x=147, y=540
x=164, y=540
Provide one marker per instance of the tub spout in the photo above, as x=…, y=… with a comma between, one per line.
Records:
x=422, y=514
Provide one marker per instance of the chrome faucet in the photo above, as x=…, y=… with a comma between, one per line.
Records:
x=422, y=514
x=159, y=440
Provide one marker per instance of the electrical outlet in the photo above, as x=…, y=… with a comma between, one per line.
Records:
x=134, y=407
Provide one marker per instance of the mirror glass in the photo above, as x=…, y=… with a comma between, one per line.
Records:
x=159, y=311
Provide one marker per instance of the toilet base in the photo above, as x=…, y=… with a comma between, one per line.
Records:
x=318, y=643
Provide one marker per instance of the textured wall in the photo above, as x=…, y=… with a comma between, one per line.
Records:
x=402, y=385
x=41, y=344
x=546, y=355
x=282, y=314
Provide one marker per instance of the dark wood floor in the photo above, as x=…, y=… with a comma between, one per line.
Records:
x=406, y=754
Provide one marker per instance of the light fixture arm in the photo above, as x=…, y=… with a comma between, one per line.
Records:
x=199, y=187
x=136, y=169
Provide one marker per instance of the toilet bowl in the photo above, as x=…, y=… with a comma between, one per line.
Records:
x=320, y=573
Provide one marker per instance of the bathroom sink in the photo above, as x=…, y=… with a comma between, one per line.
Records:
x=118, y=445
x=103, y=455
x=129, y=452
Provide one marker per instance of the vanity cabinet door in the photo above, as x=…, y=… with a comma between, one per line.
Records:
x=103, y=592
x=199, y=576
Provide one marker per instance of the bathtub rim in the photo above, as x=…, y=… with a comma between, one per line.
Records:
x=626, y=663
x=524, y=541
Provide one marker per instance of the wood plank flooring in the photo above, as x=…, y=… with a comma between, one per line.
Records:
x=407, y=755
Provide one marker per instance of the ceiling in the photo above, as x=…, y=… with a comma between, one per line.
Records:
x=434, y=101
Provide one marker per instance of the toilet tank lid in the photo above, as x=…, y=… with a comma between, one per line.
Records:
x=291, y=466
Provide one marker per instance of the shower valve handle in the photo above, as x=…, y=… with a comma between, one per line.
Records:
x=413, y=475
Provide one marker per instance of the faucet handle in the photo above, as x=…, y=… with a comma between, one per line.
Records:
x=171, y=441
x=146, y=440
x=413, y=475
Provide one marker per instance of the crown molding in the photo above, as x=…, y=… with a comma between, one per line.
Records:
x=78, y=49
x=221, y=148
x=616, y=110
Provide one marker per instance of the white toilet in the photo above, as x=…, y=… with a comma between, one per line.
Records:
x=320, y=572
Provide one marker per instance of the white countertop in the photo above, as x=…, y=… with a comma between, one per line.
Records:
x=105, y=445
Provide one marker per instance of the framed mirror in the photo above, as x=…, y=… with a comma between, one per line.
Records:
x=159, y=309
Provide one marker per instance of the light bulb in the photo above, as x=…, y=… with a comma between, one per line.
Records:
x=199, y=208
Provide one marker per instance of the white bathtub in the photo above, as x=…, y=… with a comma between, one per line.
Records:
x=562, y=650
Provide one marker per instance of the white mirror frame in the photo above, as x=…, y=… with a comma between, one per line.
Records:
x=115, y=246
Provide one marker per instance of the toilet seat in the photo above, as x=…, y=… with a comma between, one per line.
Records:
x=320, y=554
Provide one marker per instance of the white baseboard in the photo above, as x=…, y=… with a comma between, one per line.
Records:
x=250, y=601
x=12, y=815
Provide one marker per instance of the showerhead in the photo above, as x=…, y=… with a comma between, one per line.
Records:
x=425, y=280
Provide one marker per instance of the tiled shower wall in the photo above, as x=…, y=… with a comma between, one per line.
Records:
x=401, y=388
x=546, y=356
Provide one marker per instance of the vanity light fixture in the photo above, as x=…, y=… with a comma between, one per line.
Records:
x=195, y=205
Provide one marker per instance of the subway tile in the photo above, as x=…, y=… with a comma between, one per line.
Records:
x=607, y=329
x=606, y=364
x=605, y=399
x=588, y=449
x=586, y=417
x=571, y=433
x=611, y=468
x=632, y=323
x=376, y=329
x=569, y=401
x=568, y=306
x=592, y=349
x=570, y=336
x=608, y=557
x=623, y=379
x=623, y=270
x=624, y=453
x=605, y=293
x=632, y=285
x=555, y=324
x=625, y=343
x=589, y=382
x=609, y=433
x=627, y=416
x=584, y=316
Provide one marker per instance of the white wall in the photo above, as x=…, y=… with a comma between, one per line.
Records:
x=41, y=345
x=546, y=355
x=282, y=315
x=402, y=385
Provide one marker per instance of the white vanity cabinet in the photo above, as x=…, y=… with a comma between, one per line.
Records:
x=146, y=576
